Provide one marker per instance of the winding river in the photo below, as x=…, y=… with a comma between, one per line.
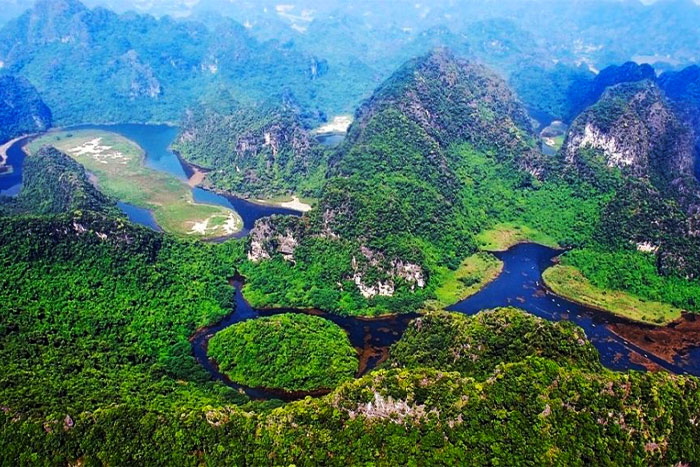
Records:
x=155, y=140
x=519, y=285
x=622, y=344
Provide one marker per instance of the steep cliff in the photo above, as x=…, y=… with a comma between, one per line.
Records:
x=253, y=151
x=23, y=110
x=648, y=150
x=635, y=129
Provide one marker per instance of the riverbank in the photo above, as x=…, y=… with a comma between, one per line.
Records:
x=569, y=283
x=371, y=339
x=292, y=202
x=672, y=343
x=475, y=273
x=503, y=236
x=196, y=176
x=119, y=167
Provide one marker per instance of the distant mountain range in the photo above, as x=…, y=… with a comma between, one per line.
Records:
x=329, y=56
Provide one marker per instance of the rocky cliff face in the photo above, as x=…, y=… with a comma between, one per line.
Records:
x=637, y=131
x=371, y=271
x=23, y=111
x=683, y=89
x=253, y=151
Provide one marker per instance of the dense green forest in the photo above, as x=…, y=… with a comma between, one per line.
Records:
x=406, y=196
x=53, y=183
x=401, y=190
x=23, y=110
x=98, y=311
x=254, y=151
x=99, y=315
x=294, y=352
x=533, y=392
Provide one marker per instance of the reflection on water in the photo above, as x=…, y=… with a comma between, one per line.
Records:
x=331, y=140
x=520, y=285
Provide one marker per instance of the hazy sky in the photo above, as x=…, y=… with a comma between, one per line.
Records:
x=180, y=7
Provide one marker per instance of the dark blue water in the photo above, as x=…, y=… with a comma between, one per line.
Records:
x=370, y=337
x=139, y=215
x=520, y=285
x=155, y=140
x=10, y=184
x=249, y=211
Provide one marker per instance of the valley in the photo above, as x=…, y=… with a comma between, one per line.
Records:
x=119, y=169
x=516, y=279
x=363, y=233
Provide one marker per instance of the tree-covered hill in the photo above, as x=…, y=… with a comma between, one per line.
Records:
x=442, y=151
x=109, y=383
x=23, y=110
x=136, y=68
x=261, y=151
x=635, y=130
x=53, y=183
x=562, y=92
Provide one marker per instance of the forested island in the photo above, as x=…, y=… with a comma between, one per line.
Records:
x=473, y=273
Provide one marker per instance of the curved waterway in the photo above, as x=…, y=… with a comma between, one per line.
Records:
x=519, y=285
x=370, y=337
x=155, y=140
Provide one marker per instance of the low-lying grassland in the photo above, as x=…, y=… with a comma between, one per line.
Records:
x=118, y=167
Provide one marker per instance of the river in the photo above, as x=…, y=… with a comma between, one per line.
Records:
x=519, y=284
x=155, y=140
x=622, y=344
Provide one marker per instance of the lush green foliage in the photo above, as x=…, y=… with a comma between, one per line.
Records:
x=562, y=92
x=53, y=183
x=97, y=312
x=260, y=151
x=136, y=68
x=96, y=317
x=23, y=110
x=529, y=412
x=294, y=352
x=636, y=272
x=476, y=345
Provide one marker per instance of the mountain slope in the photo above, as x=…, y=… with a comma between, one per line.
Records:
x=429, y=161
x=637, y=131
x=137, y=68
x=262, y=151
x=53, y=183
x=23, y=110
x=635, y=140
